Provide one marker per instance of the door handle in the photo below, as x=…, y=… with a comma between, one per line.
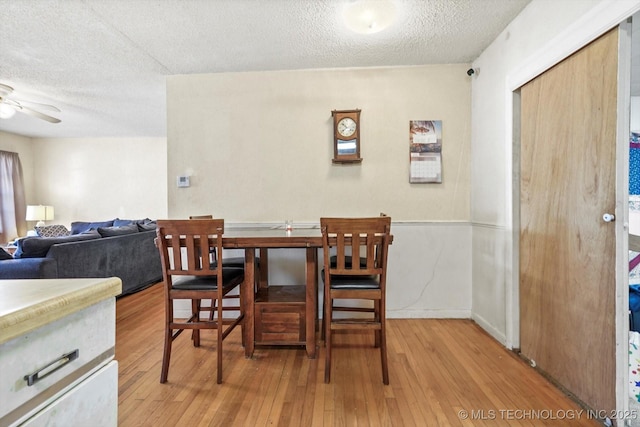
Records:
x=608, y=217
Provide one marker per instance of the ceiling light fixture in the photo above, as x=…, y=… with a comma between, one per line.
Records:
x=6, y=111
x=369, y=16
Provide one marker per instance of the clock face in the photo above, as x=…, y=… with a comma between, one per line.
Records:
x=346, y=127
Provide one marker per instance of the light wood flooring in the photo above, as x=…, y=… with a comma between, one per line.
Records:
x=442, y=373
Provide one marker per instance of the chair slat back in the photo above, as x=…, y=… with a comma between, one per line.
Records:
x=185, y=245
x=214, y=252
x=357, y=237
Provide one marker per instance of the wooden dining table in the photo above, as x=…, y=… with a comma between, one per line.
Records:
x=251, y=239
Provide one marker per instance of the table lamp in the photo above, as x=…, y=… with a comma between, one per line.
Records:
x=39, y=213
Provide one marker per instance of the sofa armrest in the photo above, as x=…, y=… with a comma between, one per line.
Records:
x=28, y=268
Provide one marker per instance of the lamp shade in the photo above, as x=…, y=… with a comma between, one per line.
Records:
x=39, y=213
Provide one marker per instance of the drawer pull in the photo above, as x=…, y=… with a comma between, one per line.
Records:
x=51, y=367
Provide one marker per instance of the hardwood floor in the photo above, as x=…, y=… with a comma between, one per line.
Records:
x=442, y=373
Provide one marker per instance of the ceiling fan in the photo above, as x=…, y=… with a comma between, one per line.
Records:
x=9, y=105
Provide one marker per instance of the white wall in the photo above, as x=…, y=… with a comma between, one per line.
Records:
x=491, y=206
x=101, y=178
x=258, y=146
x=635, y=110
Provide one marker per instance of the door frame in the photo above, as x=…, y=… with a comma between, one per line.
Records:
x=600, y=19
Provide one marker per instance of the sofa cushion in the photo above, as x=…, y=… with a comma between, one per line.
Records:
x=78, y=227
x=118, y=230
x=4, y=254
x=52, y=231
x=37, y=247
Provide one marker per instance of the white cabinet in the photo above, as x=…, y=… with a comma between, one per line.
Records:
x=59, y=370
x=93, y=402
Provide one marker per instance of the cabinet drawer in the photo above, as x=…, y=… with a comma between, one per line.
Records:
x=90, y=331
x=99, y=392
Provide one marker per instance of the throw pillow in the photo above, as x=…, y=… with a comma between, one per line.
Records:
x=147, y=226
x=4, y=255
x=78, y=227
x=118, y=231
x=52, y=231
x=120, y=222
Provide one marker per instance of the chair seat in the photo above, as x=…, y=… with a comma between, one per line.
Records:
x=230, y=278
x=354, y=282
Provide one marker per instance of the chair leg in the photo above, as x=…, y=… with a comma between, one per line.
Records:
x=322, y=324
x=213, y=309
x=166, y=356
x=168, y=340
x=220, y=331
x=327, y=341
x=242, y=313
x=376, y=314
x=195, y=310
x=383, y=349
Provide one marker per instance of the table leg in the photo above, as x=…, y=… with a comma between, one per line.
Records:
x=249, y=301
x=311, y=300
x=264, y=268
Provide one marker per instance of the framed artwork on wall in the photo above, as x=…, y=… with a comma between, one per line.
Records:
x=425, y=151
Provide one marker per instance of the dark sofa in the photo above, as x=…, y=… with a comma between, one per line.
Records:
x=133, y=257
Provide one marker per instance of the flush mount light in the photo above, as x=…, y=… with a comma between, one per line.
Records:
x=6, y=111
x=369, y=16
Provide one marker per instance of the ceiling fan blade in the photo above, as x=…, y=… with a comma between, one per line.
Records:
x=5, y=90
x=40, y=105
x=37, y=114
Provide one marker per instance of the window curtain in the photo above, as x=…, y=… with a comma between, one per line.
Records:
x=12, y=201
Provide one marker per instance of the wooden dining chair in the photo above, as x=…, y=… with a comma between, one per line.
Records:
x=188, y=275
x=368, y=237
x=347, y=263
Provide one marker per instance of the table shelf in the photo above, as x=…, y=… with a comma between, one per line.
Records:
x=280, y=313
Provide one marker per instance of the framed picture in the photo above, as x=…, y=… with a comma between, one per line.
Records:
x=425, y=151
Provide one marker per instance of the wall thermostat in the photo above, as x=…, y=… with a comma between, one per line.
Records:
x=183, y=181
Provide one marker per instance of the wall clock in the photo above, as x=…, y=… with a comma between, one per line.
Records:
x=346, y=136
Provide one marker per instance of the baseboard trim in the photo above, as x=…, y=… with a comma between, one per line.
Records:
x=484, y=324
x=428, y=314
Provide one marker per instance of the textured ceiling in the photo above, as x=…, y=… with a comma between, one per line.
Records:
x=104, y=62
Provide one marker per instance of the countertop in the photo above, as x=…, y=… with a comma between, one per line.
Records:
x=28, y=304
